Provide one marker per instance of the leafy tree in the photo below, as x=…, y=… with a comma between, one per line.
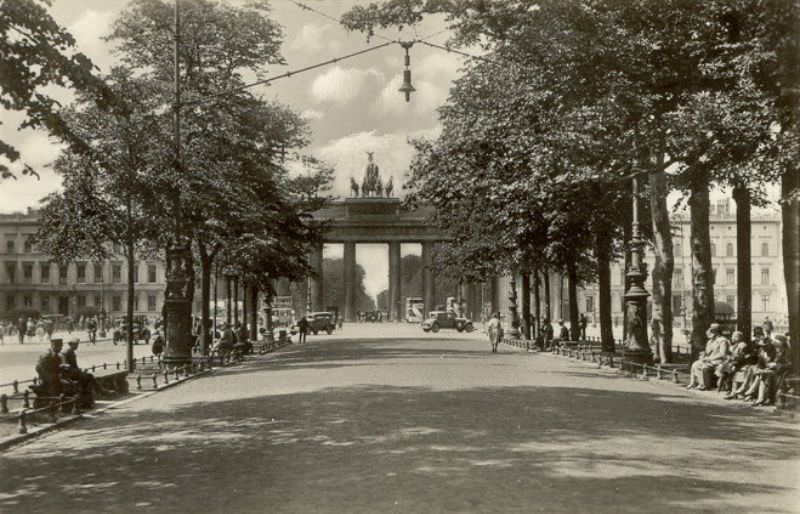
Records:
x=36, y=52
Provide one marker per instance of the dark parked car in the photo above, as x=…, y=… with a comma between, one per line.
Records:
x=140, y=331
x=319, y=322
x=446, y=319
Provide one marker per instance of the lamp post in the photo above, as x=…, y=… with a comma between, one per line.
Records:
x=637, y=349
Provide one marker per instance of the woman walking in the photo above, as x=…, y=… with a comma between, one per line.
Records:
x=494, y=330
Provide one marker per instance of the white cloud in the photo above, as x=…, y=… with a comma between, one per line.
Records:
x=88, y=31
x=340, y=85
x=312, y=39
x=312, y=114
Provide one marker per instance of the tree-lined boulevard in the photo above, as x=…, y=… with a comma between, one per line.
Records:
x=359, y=423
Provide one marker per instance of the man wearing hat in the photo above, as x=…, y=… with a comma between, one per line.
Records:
x=717, y=349
x=48, y=367
x=71, y=371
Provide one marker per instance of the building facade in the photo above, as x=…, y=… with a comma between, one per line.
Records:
x=32, y=280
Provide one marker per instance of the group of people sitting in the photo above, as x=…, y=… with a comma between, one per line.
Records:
x=234, y=340
x=750, y=371
x=59, y=373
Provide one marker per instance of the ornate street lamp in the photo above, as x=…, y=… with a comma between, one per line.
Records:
x=637, y=348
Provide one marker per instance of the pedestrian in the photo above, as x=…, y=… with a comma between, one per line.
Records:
x=22, y=325
x=70, y=325
x=563, y=332
x=226, y=342
x=91, y=327
x=31, y=328
x=71, y=371
x=49, y=326
x=40, y=330
x=582, y=323
x=2, y=332
x=158, y=344
x=547, y=333
x=302, y=329
x=495, y=331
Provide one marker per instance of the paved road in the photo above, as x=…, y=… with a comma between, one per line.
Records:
x=424, y=424
x=17, y=361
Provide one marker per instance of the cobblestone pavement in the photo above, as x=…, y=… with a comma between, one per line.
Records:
x=416, y=423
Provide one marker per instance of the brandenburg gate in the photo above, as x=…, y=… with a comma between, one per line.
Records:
x=374, y=216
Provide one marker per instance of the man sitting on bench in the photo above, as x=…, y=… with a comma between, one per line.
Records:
x=86, y=381
x=49, y=368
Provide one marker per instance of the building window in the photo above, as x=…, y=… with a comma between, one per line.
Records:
x=116, y=303
x=765, y=276
x=151, y=273
x=730, y=277
x=27, y=300
x=765, y=249
x=136, y=273
x=45, y=303
x=765, y=302
x=11, y=272
x=713, y=275
x=677, y=250
x=730, y=300
x=713, y=250
x=116, y=248
x=27, y=271
x=98, y=273
x=81, y=266
x=151, y=302
x=11, y=301
x=678, y=277
x=723, y=207
x=10, y=244
x=136, y=303
x=62, y=274
x=116, y=274
x=677, y=303
x=98, y=301
x=44, y=272
x=590, y=303
x=729, y=250
x=27, y=246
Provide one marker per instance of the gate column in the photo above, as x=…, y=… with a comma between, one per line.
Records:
x=428, y=278
x=349, y=262
x=395, y=291
x=315, y=282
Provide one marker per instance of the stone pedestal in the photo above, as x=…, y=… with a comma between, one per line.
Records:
x=178, y=307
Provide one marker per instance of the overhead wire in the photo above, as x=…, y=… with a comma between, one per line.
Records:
x=305, y=7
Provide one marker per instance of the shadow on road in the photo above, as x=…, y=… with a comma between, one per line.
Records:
x=409, y=449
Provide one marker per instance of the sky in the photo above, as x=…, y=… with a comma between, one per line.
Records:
x=352, y=106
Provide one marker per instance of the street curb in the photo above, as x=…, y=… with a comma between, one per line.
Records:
x=18, y=439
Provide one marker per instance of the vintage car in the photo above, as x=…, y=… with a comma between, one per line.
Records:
x=446, y=319
x=319, y=322
x=140, y=331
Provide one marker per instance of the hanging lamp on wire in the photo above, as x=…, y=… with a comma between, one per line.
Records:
x=407, y=88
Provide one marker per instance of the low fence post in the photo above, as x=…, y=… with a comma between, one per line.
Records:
x=22, y=427
x=15, y=384
x=3, y=404
x=675, y=375
x=26, y=399
x=166, y=377
x=139, y=382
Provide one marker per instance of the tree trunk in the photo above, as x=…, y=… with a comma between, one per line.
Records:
x=537, y=307
x=572, y=286
x=526, y=305
x=790, y=213
x=744, y=280
x=702, y=272
x=129, y=310
x=512, y=304
x=236, y=301
x=603, y=253
x=206, y=262
x=245, y=299
x=252, y=304
x=664, y=263
x=228, y=300
x=548, y=311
